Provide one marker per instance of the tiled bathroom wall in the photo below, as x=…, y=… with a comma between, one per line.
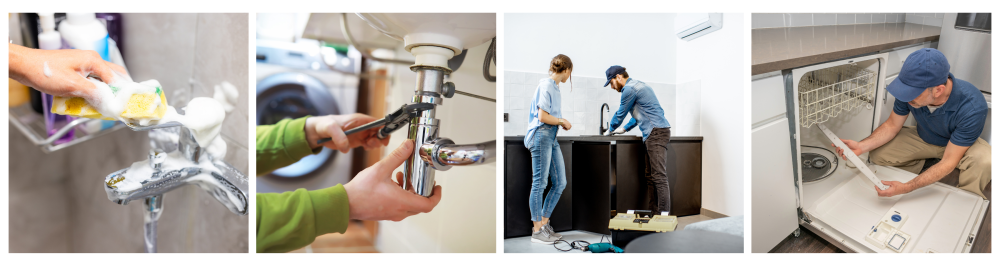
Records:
x=930, y=19
x=57, y=200
x=777, y=20
x=581, y=105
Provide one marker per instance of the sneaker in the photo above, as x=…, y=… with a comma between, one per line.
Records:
x=552, y=232
x=543, y=237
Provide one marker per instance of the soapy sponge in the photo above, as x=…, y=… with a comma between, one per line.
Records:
x=140, y=106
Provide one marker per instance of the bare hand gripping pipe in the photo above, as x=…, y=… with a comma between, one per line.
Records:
x=434, y=40
x=435, y=153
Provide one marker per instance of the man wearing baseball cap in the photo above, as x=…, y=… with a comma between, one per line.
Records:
x=950, y=115
x=638, y=98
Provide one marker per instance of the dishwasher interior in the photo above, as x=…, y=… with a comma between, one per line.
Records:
x=837, y=201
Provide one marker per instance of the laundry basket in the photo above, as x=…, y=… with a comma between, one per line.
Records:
x=825, y=93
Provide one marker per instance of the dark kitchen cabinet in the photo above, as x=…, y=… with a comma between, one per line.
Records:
x=604, y=175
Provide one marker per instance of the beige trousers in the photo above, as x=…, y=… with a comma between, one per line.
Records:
x=907, y=151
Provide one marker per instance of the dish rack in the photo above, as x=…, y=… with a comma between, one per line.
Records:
x=825, y=93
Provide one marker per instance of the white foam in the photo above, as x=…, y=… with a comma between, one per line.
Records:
x=203, y=116
x=46, y=70
x=140, y=171
x=217, y=148
x=227, y=94
x=111, y=104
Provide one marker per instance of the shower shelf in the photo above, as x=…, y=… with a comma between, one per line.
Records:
x=825, y=93
x=32, y=125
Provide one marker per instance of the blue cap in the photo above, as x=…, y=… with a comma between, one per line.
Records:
x=613, y=71
x=923, y=69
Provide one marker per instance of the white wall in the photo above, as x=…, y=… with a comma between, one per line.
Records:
x=465, y=219
x=642, y=43
x=715, y=63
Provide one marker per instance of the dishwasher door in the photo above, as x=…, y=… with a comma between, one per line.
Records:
x=942, y=218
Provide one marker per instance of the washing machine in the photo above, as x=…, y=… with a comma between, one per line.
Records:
x=294, y=81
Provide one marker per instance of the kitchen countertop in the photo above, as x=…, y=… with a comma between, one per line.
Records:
x=776, y=49
x=601, y=138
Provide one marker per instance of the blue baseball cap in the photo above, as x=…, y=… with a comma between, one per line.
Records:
x=613, y=71
x=923, y=69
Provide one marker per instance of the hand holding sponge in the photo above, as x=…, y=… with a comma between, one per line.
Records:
x=137, y=103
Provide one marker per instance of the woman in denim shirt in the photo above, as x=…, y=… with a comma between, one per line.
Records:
x=546, y=158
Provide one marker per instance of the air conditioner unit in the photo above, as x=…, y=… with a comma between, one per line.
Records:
x=693, y=25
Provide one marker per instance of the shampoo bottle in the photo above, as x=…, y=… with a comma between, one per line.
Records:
x=83, y=31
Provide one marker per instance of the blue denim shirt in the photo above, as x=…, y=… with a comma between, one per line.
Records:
x=638, y=98
x=960, y=120
x=547, y=98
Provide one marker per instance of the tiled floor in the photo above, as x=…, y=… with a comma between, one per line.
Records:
x=524, y=245
x=357, y=239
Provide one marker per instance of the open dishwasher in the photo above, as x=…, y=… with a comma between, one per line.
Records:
x=798, y=180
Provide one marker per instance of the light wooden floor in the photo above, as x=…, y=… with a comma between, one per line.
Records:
x=357, y=239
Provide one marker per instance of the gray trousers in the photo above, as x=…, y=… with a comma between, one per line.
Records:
x=658, y=189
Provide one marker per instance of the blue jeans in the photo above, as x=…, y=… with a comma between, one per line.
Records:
x=546, y=162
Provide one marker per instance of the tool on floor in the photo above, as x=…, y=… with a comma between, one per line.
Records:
x=853, y=158
x=599, y=247
x=392, y=121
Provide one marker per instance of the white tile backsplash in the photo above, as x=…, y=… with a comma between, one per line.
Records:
x=770, y=20
x=863, y=18
x=930, y=19
x=800, y=20
x=878, y=18
x=581, y=105
x=846, y=19
x=767, y=20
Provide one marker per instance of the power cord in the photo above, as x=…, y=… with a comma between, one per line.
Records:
x=577, y=244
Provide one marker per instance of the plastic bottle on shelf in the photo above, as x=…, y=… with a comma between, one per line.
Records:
x=49, y=38
x=83, y=31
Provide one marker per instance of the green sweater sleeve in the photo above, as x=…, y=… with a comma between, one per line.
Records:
x=282, y=144
x=292, y=220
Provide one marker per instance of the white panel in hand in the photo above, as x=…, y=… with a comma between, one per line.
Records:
x=853, y=158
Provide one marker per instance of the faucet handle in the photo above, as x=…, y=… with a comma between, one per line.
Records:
x=156, y=158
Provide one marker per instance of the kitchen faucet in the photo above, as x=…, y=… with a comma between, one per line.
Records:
x=604, y=129
x=170, y=166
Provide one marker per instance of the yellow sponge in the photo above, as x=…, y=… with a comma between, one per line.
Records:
x=76, y=107
x=136, y=108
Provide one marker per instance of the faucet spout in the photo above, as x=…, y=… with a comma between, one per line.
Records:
x=604, y=108
x=141, y=181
